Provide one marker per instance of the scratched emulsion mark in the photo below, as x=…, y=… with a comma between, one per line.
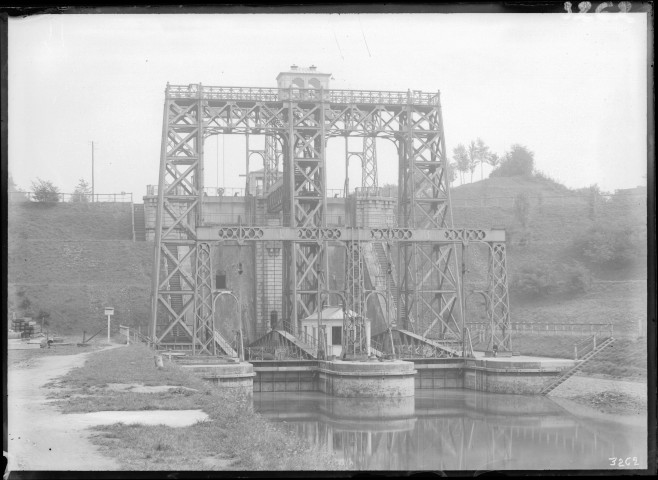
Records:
x=584, y=7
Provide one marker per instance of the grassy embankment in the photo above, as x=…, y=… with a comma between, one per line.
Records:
x=70, y=260
x=235, y=435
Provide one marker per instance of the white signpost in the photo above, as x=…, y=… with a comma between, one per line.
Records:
x=109, y=311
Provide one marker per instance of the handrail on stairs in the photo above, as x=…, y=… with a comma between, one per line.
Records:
x=597, y=348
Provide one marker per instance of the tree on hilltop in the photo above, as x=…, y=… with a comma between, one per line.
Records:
x=45, y=191
x=481, y=155
x=467, y=159
x=518, y=161
x=460, y=156
x=493, y=159
x=82, y=191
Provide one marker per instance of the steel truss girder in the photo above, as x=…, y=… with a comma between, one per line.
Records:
x=243, y=234
x=498, y=295
x=203, y=340
x=271, y=117
x=369, y=160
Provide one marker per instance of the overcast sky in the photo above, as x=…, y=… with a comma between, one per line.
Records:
x=572, y=88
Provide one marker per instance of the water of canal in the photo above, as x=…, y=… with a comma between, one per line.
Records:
x=456, y=430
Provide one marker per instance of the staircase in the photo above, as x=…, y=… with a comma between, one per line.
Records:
x=376, y=348
x=139, y=222
x=224, y=345
x=414, y=337
x=304, y=346
x=592, y=348
x=278, y=338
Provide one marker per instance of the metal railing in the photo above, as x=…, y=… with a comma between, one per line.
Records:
x=152, y=191
x=223, y=192
x=605, y=329
x=420, y=351
x=603, y=201
x=123, y=197
x=588, y=345
x=278, y=352
x=366, y=192
x=264, y=94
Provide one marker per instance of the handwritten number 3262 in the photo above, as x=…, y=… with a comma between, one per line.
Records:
x=584, y=7
x=623, y=462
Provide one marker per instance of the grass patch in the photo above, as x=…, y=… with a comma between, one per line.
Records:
x=234, y=431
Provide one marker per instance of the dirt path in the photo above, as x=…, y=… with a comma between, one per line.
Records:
x=40, y=438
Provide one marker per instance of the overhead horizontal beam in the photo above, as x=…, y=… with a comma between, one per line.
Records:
x=347, y=234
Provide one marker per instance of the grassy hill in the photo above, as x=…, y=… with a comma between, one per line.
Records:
x=71, y=260
x=557, y=219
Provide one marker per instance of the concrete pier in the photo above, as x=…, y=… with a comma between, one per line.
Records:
x=227, y=374
x=366, y=379
x=522, y=375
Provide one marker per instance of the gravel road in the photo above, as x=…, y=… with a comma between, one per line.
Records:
x=40, y=438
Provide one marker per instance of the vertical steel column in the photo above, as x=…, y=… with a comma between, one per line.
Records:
x=157, y=256
x=431, y=275
x=180, y=191
x=406, y=252
x=289, y=306
x=500, y=328
x=307, y=203
x=204, y=329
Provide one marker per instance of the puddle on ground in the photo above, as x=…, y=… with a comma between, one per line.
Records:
x=170, y=418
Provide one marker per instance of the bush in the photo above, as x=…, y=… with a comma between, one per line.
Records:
x=519, y=161
x=610, y=246
x=45, y=191
x=545, y=280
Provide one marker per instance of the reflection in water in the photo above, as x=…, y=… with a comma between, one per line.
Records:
x=453, y=430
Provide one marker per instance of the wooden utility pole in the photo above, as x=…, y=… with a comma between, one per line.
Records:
x=92, y=170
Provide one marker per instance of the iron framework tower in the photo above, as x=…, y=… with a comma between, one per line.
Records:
x=297, y=124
